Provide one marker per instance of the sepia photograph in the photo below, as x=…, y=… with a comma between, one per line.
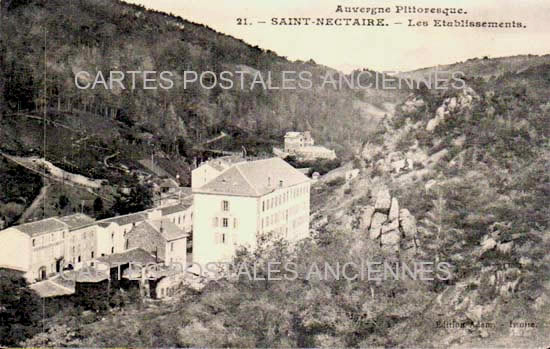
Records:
x=275, y=174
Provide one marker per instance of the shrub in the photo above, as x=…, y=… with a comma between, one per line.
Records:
x=336, y=182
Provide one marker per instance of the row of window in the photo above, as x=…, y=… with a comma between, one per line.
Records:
x=47, y=238
x=283, y=198
x=274, y=218
x=224, y=222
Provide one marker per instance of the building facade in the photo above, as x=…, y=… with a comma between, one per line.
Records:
x=36, y=248
x=248, y=199
x=161, y=238
x=301, y=144
x=296, y=140
x=44, y=248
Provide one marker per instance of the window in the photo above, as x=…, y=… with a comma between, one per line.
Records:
x=113, y=249
x=112, y=235
x=172, y=247
x=225, y=222
x=33, y=242
x=234, y=223
x=63, y=235
x=179, y=219
x=127, y=244
x=263, y=206
x=223, y=238
x=92, y=254
x=79, y=259
x=225, y=205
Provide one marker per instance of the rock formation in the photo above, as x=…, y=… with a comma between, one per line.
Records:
x=394, y=228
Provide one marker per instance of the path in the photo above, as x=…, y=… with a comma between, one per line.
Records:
x=37, y=202
x=220, y=136
x=65, y=180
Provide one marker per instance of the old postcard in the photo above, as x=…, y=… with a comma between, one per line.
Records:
x=275, y=173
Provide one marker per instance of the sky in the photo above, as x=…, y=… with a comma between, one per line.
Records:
x=397, y=47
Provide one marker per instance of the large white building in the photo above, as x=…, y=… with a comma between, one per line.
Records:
x=244, y=201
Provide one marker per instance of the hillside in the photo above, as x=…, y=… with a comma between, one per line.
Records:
x=460, y=176
x=484, y=67
x=87, y=126
x=478, y=189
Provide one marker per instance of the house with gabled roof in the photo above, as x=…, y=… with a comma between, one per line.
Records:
x=246, y=200
x=210, y=169
x=161, y=238
x=35, y=248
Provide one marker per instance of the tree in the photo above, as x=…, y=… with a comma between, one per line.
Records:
x=4, y=5
x=20, y=311
x=98, y=205
x=140, y=198
x=63, y=201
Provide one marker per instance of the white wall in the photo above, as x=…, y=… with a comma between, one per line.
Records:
x=207, y=245
x=15, y=250
x=83, y=242
x=47, y=249
x=179, y=252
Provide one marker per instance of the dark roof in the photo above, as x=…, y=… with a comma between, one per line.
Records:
x=163, y=227
x=49, y=288
x=167, y=229
x=136, y=255
x=254, y=178
x=44, y=226
x=126, y=219
x=86, y=275
x=176, y=208
x=77, y=220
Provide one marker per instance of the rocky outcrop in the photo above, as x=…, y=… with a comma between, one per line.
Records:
x=407, y=222
x=394, y=210
x=366, y=217
x=383, y=201
x=393, y=228
x=452, y=105
x=375, y=229
x=412, y=105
